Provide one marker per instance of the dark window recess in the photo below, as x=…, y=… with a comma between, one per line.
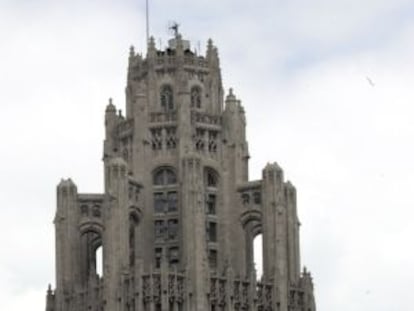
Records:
x=211, y=180
x=171, y=179
x=212, y=141
x=211, y=204
x=173, y=256
x=257, y=198
x=196, y=97
x=96, y=211
x=172, y=201
x=159, y=229
x=164, y=176
x=199, y=139
x=84, y=210
x=172, y=229
x=159, y=178
x=212, y=231
x=136, y=194
x=212, y=258
x=171, y=138
x=130, y=190
x=167, y=97
x=131, y=245
x=159, y=202
x=245, y=198
x=158, y=256
x=156, y=139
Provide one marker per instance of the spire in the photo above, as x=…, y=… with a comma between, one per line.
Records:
x=131, y=51
x=110, y=107
x=231, y=96
x=151, y=47
x=212, y=54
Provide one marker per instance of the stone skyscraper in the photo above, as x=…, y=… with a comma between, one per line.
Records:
x=178, y=215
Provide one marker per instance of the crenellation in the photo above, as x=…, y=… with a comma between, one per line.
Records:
x=178, y=216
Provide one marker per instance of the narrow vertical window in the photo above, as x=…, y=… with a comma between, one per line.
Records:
x=159, y=229
x=172, y=229
x=212, y=232
x=158, y=256
x=212, y=258
x=211, y=204
x=196, y=97
x=159, y=202
x=99, y=261
x=210, y=179
x=167, y=97
x=172, y=201
x=258, y=255
x=173, y=256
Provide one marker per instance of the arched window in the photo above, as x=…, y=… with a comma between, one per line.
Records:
x=258, y=255
x=99, y=260
x=133, y=226
x=167, y=97
x=91, y=254
x=166, y=222
x=164, y=176
x=211, y=199
x=196, y=97
x=210, y=178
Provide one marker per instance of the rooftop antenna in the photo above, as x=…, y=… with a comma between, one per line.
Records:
x=147, y=20
x=173, y=28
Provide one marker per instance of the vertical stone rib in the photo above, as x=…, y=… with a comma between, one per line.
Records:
x=194, y=224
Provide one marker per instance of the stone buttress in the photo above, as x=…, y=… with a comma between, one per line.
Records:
x=178, y=215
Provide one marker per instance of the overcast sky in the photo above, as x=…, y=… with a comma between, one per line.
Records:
x=328, y=91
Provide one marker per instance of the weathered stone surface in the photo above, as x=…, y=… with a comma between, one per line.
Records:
x=178, y=216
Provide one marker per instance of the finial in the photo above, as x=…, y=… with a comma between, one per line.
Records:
x=174, y=26
x=110, y=107
x=209, y=46
x=151, y=43
x=230, y=96
x=131, y=51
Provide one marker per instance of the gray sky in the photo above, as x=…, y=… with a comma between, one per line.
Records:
x=328, y=91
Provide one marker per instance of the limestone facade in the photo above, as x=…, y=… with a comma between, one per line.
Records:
x=178, y=215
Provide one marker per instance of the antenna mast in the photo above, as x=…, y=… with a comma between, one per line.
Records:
x=147, y=20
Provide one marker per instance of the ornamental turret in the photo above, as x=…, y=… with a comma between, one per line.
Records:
x=176, y=221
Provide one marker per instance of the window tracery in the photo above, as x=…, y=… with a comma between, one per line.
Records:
x=84, y=210
x=163, y=138
x=206, y=141
x=211, y=204
x=156, y=139
x=199, y=140
x=166, y=224
x=195, y=97
x=167, y=97
x=164, y=176
x=133, y=225
x=171, y=138
x=210, y=178
x=212, y=141
x=211, y=190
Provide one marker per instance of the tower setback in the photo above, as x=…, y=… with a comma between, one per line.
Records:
x=178, y=215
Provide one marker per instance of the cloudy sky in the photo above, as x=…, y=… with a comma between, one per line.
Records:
x=328, y=91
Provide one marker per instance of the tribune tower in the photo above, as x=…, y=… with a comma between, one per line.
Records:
x=178, y=214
